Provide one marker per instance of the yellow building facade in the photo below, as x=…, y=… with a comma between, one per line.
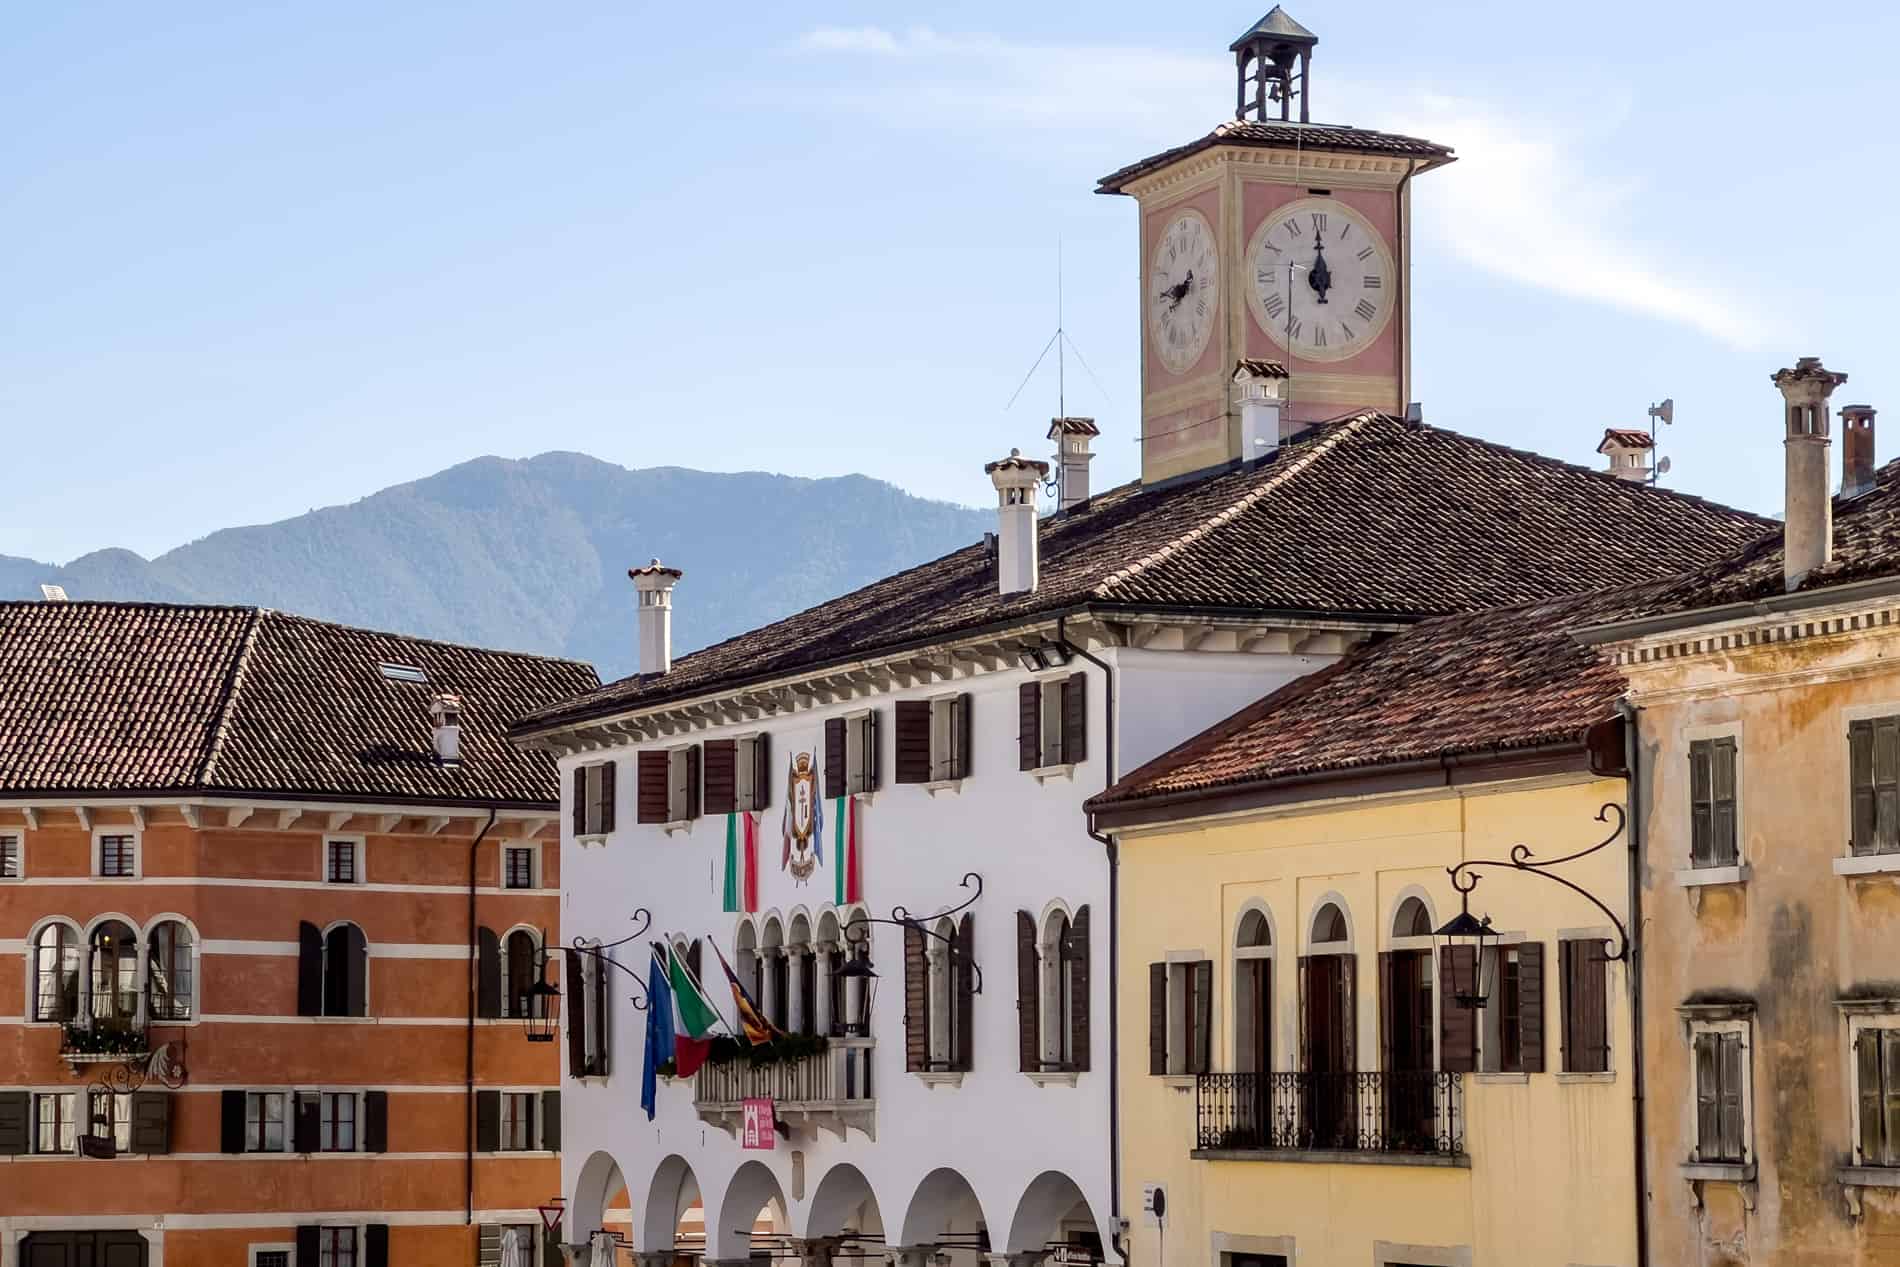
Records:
x=1520, y=1167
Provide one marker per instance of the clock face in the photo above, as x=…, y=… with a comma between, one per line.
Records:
x=1323, y=285
x=1183, y=290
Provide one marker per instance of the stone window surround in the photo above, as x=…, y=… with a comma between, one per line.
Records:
x=1849, y=863
x=1696, y=878
x=1722, y=1017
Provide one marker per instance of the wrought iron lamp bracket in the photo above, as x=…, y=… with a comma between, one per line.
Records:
x=900, y=917
x=1465, y=877
x=580, y=946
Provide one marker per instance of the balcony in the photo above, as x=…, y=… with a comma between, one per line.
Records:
x=104, y=1042
x=829, y=1090
x=1394, y=1118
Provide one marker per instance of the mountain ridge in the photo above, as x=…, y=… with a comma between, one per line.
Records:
x=530, y=554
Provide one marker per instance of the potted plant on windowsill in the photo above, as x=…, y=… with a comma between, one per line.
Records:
x=103, y=1040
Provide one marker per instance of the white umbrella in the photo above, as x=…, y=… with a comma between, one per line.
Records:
x=511, y=1247
x=603, y=1250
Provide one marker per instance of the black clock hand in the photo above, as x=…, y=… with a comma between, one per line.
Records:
x=1177, y=292
x=1319, y=277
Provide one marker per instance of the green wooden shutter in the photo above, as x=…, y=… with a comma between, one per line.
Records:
x=1701, y=812
x=487, y=1121
x=151, y=1122
x=1723, y=792
x=551, y=1120
x=1157, y=1018
x=16, y=1135
x=1860, y=766
x=1886, y=784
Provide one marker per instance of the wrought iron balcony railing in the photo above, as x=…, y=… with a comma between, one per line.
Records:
x=1420, y=1114
x=830, y=1088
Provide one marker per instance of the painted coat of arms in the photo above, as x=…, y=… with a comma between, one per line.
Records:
x=804, y=819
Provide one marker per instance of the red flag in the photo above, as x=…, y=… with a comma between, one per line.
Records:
x=689, y=1054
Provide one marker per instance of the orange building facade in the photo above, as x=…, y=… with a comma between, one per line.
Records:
x=282, y=1027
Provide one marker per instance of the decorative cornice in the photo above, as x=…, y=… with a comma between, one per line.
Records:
x=1361, y=171
x=1721, y=638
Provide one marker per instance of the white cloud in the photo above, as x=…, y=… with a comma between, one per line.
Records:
x=1525, y=202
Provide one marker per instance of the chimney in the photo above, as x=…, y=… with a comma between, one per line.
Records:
x=1857, y=449
x=1808, y=534
x=1072, y=437
x=1016, y=478
x=445, y=717
x=1629, y=452
x=655, y=584
x=1257, y=392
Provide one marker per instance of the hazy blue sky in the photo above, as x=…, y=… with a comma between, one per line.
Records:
x=278, y=256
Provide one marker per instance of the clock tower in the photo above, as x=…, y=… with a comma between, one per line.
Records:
x=1276, y=239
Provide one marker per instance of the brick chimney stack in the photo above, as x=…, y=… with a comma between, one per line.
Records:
x=1857, y=449
x=655, y=583
x=1808, y=510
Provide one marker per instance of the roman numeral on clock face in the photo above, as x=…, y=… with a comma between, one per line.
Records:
x=1319, y=222
x=1292, y=230
x=1365, y=253
x=1319, y=336
x=1365, y=309
x=1370, y=281
x=1274, y=306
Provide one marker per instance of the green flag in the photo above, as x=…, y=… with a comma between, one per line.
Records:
x=697, y=1015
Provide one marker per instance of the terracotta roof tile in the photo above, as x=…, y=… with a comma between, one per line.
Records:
x=1252, y=134
x=104, y=698
x=1365, y=517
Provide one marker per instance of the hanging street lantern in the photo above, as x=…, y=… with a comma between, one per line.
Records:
x=1468, y=949
x=858, y=968
x=542, y=1016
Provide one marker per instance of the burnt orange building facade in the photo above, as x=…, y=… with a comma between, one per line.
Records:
x=272, y=891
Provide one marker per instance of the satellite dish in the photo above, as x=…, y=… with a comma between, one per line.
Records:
x=1662, y=468
x=1665, y=411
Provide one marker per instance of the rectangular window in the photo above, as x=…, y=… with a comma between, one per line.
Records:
x=1503, y=1022
x=339, y=865
x=595, y=814
x=1586, y=1005
x=57, y=1129
x=1051, y=728
x=1877, y=1097
x=949, y=719
x=517, y=867
x=264, y=1121
x=270, y=1258
x=1190, y=1016
x=1712, y=835
x=118, y=856
x=860, y=753
x=111, y=1118
x=336, y=1122
x=1721, y=1088
x=9, y=857
x=751, y=778
x=1873, y=749
x=336, y=1247
x=517, y=1121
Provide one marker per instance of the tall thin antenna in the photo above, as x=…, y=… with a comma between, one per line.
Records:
x=1063, y=345
x=1062, y=407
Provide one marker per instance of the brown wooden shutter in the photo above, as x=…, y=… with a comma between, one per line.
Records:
x=355, y=972
x=309, y=969
x=376, y=1121
x=1029, y=726
x=1734, y=1147
x=916, y=1002
x=1388, y=1023
x=761, y=771
x=574, y=996
x=598, y=1015
x=551, y=1120
x=693, y=774
x=1157, y=1017
x=965, y=991
x=231, y=1121
x=651, y=798
x=151, y=1122
x=1708, y=1098
x=308, y=1248
x=1723, y=765
x=16, y=1136
x=487, y=973
x=913, y=740
x=965, y=738
x=487, y=1121
x=834, y=757
x=1075, y=719
x=873, y=772
x=1867, y=1091
x=609, y=789
x=1860, y=765
x=1028, y=995
x=1201, y=1050
x=1079, y=1018
x=1305, y=982
x=1457, y=1024
x=1348, y=1002
x=1585, y=1006
x=304, y=1121
x=376, y=1245
x=1886, y=773
x=722, y=776
x=579, y=809
x=1530, y=1005
x=1701, y=811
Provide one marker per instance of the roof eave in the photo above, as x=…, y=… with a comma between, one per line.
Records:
x=1772, y=605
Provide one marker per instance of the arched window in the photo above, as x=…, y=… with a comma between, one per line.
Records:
x=802, y=977
x=1329, y=1027
x=520, y=969
x=1253, y=993
x=56, y=974
x=1058, y=992
x=345, y=972
x=114, y=986
x=774, y=973
x=1329, y=927
x=169, y=980
x=1054, y=959
x=1412, y=920
x=948, y=999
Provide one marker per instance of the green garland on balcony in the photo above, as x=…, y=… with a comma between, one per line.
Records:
x=104, y=1039
x=784, y=1050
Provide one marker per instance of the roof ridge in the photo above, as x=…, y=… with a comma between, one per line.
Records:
x=1240, y=505
x=233, y=683
x=428, y=641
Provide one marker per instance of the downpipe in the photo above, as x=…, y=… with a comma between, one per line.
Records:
x=1632, y=761
x=468, y=1053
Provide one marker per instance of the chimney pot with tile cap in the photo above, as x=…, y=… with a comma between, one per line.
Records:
x=1857, y=449
x=1259, y=389
x=445, y=721
x=654, y=583
x=1073, y=437
x=1808, y=511
x=1016, y=479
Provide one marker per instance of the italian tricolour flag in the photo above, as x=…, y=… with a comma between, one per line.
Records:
x=844, y=824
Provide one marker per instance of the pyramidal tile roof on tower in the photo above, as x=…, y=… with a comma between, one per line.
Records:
x=1250, y=133
x=1366, y=517
x=156, y=698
